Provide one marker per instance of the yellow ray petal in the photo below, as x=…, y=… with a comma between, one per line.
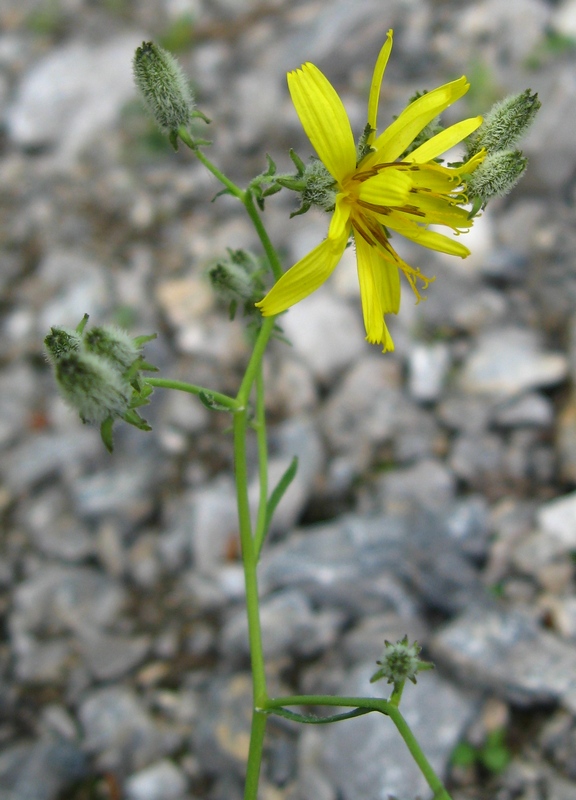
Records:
x=444, y=140
x=324, y=119
x=402, y=132
x=425, y=207
x=304, y=277
x=390, y=187
x=376, y=85
x=379, y=291
x=430, y=239
x=432, y=178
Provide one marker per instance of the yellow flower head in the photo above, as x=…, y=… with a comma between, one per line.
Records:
x=375, y=192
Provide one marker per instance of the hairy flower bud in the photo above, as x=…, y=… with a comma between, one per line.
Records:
x=505, y=123
x=113, y=344
x=320, y=186
x=400, y=662
x=237, y=280
x=92, y=386
x=497, y=175
x=163, y=86
x=61, y=341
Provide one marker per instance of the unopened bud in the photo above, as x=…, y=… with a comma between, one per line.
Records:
x=496, y=175
x=236, y=279
x=400, y=662
x=163, y=86
x=61, y=341
x=320, y=186
x=505, y=123
x=92, y=386
x=113, y=344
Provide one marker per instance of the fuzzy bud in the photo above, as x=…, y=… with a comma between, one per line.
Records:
x=61, y=341
x=237, y=279
x=163, y=86
x=505, y=123
x=112, y=343
x=497, y=175
x=320, y=186
x=92, y=386
x=400, y=662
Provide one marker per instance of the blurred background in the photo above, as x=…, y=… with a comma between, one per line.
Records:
x=436, y=488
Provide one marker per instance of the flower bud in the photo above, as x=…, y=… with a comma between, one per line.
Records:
x=61, y=341
x=400, y=662
x=236, y=279
x=163, y=86
x=113, y=344
x=92, y=386
x=496, y=176
x=320, y=187
x=505, y=123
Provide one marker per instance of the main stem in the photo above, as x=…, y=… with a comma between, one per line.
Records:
x=250, y=554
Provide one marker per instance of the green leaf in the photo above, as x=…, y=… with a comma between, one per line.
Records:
x=312, y=719
x=82, y=324
x=464, y=755
x=133, y=418
x=280, y=490
x=208, y=400
x=106, y=434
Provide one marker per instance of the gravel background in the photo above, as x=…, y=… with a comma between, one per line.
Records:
x=436, y=494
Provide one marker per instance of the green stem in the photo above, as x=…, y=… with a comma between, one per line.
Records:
x=249, y=557
x=181, y=386
x=384, y=707
x=230, y=185
x=255, y=360
x=426, y=769
x=261, y=439
x=254, y=755
x=269, y=249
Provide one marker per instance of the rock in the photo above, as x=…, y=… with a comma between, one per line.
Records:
x=17, y=401
x=325, y=332
x=508, y=654
x=54, y=530
x=72, y=94
x=509, y=361
x=109, y=657
x=126, y=490
x=290, y=627
x=213, y=523
x=296, y=438
x=528, y=410
x=119, y=732
x=428, y=367
x=428, y=485
x=557, y=521
x=45, y=454
x=222, y=736
x=160, y=781
x=42, y=770
x=479, y=460
x=62, y=598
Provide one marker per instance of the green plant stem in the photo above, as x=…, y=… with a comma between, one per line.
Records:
x=257, y=732
x=262, y=443
x=269, y=248
x=384, y=707
x=250, y=563
x=411, y=742
x=182, y=386
x=230, y=185
x=245, y=197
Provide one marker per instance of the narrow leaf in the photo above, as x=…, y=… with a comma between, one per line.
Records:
x=279, y=490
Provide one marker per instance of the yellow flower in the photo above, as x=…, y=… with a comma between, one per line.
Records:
x=375, y=193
